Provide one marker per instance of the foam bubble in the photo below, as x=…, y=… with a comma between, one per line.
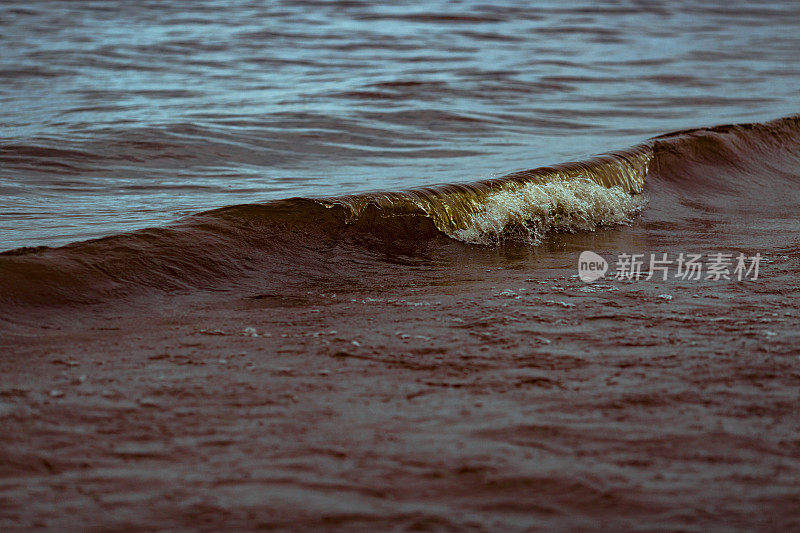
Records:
x=533, y=210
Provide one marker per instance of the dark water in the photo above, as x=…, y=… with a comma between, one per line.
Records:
x=334, y=282
x=121, y=115
x=732, y=188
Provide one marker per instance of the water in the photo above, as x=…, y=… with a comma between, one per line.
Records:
x=122, y=115
x=336, y=280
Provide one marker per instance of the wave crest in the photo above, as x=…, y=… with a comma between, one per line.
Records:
x=534, y=210
x=602, y=191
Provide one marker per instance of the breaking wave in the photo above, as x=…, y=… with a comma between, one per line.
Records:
x=314, y=237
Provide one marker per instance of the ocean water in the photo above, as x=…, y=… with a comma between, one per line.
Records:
x=120, y=115
x=315, y=265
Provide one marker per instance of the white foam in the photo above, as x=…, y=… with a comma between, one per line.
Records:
x=533, y=210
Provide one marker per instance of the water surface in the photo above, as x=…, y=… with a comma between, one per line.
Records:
x=118, y=115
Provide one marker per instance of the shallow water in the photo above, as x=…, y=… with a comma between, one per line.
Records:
x=379, y=353
x=120, y=115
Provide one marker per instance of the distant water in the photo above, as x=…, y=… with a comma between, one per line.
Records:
x=118, y=115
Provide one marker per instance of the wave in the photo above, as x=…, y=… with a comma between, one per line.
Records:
x=527, y=204
x=314, y=237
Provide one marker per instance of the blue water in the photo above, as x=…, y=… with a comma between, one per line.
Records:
x=116, y=115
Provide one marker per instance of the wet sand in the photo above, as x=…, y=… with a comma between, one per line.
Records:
x=503, y=399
